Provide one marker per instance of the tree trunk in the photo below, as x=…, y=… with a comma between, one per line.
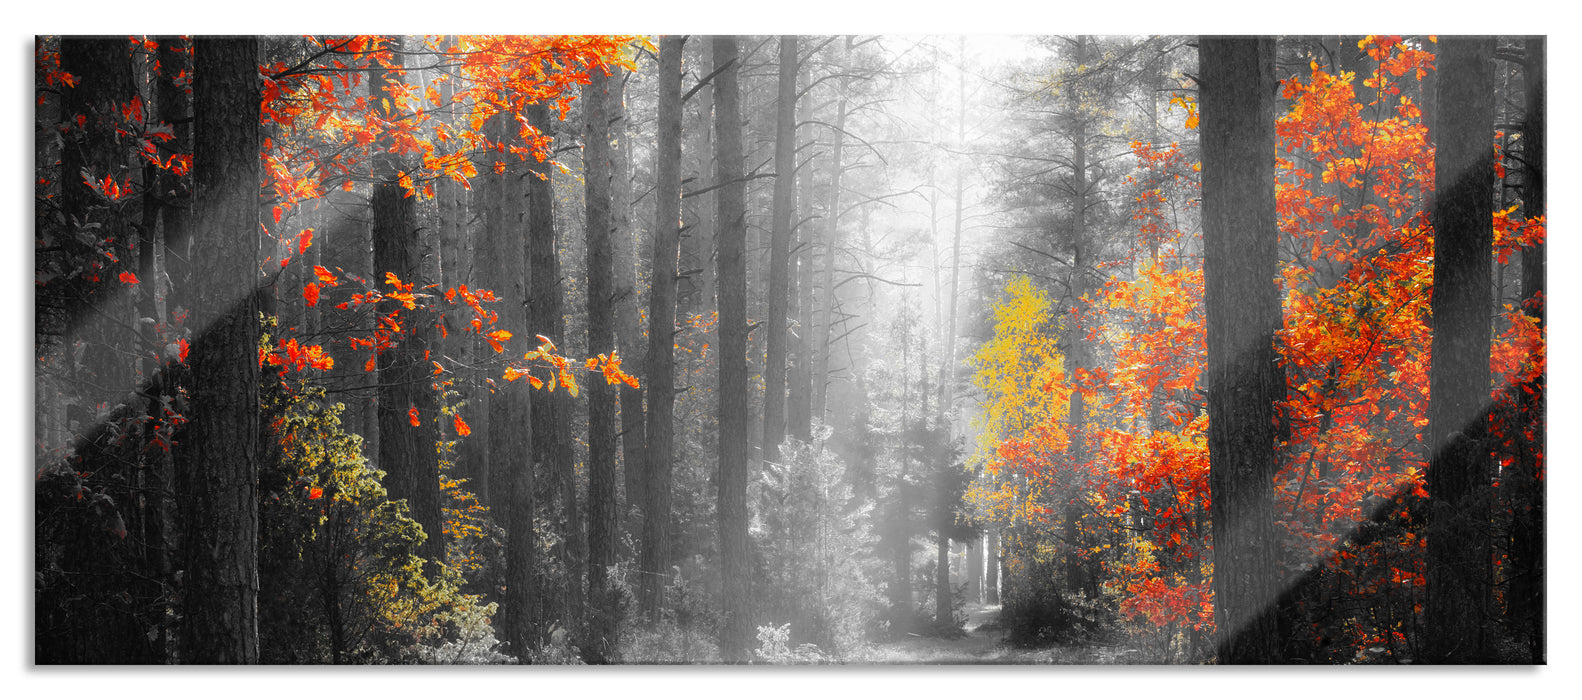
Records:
x=408, y=407
x=948, y=369
x=991, y=568
x=780, y=252
x=470, y=458
x=628, y=329
x=736, y=633
x=661, y=331
x=695, y=288
x=552, y=411
x=1459, y=575
x=216, y=463
x=943, y=596
x=1243, y=310
x=503, y=270
x=1078, y=360
x=975, y=570
x=901, y=544
x=105, y=85
x=799, y=390
x=173, y=104
x=831, y=240
x=599, y=644
x=1528, y=588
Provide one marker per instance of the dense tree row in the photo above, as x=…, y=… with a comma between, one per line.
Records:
x=1297, y=502
x=484, y=349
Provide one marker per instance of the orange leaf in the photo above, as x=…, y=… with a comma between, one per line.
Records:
x=461, y=427
x=438, y=369
x=128, y=278
x=412, y=417
x=406, y=299
x=315, y=493
x=318, y=360
x=310, y=293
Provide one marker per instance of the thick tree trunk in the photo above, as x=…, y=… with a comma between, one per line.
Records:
x=503, y=270
x=216, y=462
x=552, y=411
x=408, y=407
x=661, y=331
x=1459, y=561
x=780, y=252
x=1243, y=310
x=599, y=643
x=1528, y=588
x=735, y=569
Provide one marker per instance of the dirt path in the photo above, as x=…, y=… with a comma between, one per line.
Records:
x=980, y=646
x=977, y=647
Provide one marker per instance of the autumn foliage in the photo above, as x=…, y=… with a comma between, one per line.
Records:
x=1081, y=362
x=1353, y=178
x=324, y=125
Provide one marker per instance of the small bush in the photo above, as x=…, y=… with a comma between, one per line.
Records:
x=774, y=647
x=1042, y=617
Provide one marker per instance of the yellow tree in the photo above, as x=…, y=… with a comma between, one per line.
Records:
x=1022, y=374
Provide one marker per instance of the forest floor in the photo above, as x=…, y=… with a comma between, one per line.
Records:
x=983, y=643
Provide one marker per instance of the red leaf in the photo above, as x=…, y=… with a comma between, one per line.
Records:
x=128, y=278
x=461, y=427
x=412, y=417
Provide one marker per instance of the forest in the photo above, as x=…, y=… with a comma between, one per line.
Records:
x=789, y=350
